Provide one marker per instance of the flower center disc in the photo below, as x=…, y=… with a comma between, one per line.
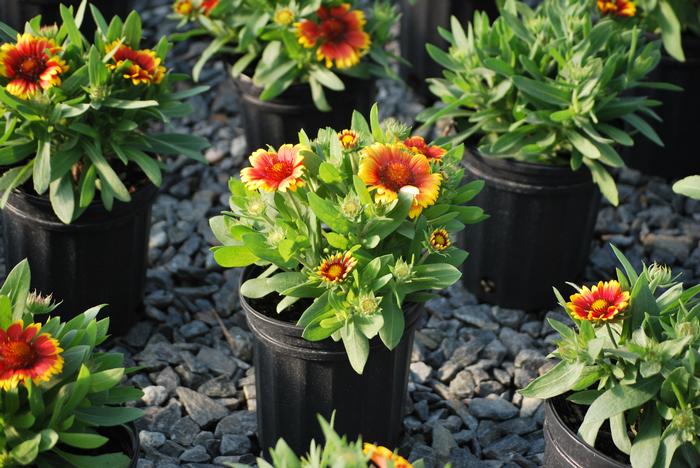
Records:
x=397, y=175
x=599, y=305
x=334, y=271
x=333, y=29
x=279, y=170
x=30, y=68
x=18, y=355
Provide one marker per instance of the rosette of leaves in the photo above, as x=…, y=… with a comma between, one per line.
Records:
x=640, y=374
x=671, y=19
x=548, y=86
x=262, y=37
x=57, y=422
x=96, y=130
x=390, y=259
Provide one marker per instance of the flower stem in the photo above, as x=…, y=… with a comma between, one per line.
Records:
x=610, y=334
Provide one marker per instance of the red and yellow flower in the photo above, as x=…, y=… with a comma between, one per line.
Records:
x=380, y=456
x=337, y=267
x=184, y=7
x=626, y=8
x=387, y=169
x=348, y=138
x=439, y=240
x=139, y=66
x=339, y=35
x=24, y=356
x=31, y=64
x=602, y=302
x=208, y=6
x=271, y=171
x=417, y=145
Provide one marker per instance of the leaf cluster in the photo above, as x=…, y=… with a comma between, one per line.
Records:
x=84, y=134
x=272, y=53
x=641, y=375
x=43, y=424
x=547, y=86
x=671, y=19
x=291, y=233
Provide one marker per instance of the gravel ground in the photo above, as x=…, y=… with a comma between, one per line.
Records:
x=468, y=360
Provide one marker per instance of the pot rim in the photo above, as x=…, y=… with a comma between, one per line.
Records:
x=412, y=314
x=141, y=199
x=575, y=438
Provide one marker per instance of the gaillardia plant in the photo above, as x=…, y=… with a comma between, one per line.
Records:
x=546, y=86
x=631, y=363
x=81, y=117
x=348, y=228
x=297, y=41
x=56, y=389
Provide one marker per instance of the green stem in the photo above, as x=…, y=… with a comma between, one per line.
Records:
x=610, y=334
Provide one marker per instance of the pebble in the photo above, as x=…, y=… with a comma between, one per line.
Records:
x=202, y=409
x=234, y=444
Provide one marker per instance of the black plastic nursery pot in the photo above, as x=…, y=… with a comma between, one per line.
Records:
x=100, y=258
x=538, y=234
x=563, y=449
x=279, y=120
x=17, y=12
x=679, y=128
x=419, y=26
x=297, y=379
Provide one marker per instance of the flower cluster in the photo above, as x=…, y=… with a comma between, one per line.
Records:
x=313, y=42
x=61, y=387
x=631, y=361
x=359, y=222
x=79, y=117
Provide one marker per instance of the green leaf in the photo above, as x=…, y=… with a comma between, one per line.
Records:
x=234, y=256
x=5, y=312
x=16, y=287
x=670, y=30
x=643, y=127
x=132, y=29
x=604, y=180
x=109, y=460
x=318, y=96
x=377, y=132
x=582, y=144
x=356, y=345
x=256, y=288
x=148, y=165
x=106, y=379
x=107, y=415
x=394, y=322
x=70, y=27
x=618, y=429
x=82, y=440
x=329, y=214
x=316, y=309
x=614, y=401
x=328, y=173
x=336, y=240
x=107, y=174
x=690, y=187
x=558, y=380
x=646, y=444
x=42, y=166
x=26, y=452
x=327, y=78
x=62, y=198
x=542, y=91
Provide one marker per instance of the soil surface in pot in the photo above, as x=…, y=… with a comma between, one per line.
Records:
x=268, y=307
x=573, y=414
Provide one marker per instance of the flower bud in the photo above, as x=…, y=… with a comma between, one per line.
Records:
x=660, y=275
x=38, y=304
x=256, y=206
x=402, y=271
x=368, y=303
x=351, y=206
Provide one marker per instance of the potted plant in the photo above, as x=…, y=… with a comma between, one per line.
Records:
x=17, y=12
x=420, y=20
x=297, y=64
x=677, y=22
x=343, y=238
x=626, y=388
x=337, y=451
x=83, y=121
x=540, y=97
x=62, y=398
